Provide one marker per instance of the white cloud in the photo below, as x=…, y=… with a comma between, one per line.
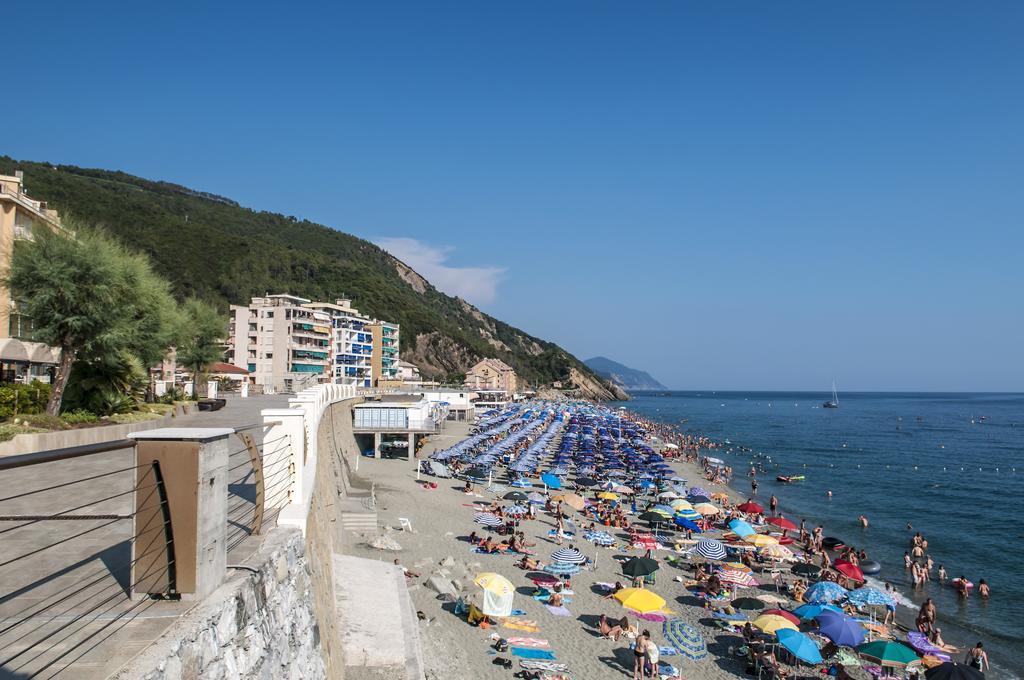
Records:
x=476, y=284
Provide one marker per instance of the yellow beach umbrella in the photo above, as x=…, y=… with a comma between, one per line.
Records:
x=777, y=552
x=608, y=496
x=494, y=583
x=681, y=504
x=720, y=497
x=770, y=623
x=706, y=509
x=640, y=599
x=498, y=594
x=761, y=540
x=574, y=501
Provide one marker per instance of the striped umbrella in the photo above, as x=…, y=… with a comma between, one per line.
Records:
x=562, y=569
x=711, y=549
x=739, y=578
x=487, y=519
x=517, y=510
x=691, y=515
x=600, y=538
x=686, y=639
x=568, y=555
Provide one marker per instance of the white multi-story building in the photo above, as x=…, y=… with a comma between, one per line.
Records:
x=283, y=344
x=351, y=345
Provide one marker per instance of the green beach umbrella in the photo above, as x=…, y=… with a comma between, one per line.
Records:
x=887, y=652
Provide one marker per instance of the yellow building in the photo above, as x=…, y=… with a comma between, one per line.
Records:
x=492, y=374
x=384, y=354
x=21, y=359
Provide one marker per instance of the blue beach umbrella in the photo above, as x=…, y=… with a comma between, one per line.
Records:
x=741, y=528
x=689, y=514
x=799, y=644
x=570, y=555
x=825, y=591
x=551, y=480
x=840, y=629
x=869, y=596
x=684, y=523
x=808, y=611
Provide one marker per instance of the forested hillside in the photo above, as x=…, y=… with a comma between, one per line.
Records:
x=213, y=248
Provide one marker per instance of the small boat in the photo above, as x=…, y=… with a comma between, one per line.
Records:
x=789, y=479
x=834, y=401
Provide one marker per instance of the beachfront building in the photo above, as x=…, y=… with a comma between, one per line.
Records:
x=351, y=344
x=283, y=344
x=457, y=403
x=492, y=374
x=22, y=359
x=384, y=354
x=390, y=424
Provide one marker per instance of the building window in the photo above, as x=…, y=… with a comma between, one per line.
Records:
x=21, y=327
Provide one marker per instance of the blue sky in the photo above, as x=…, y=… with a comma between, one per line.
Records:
x=728, y=195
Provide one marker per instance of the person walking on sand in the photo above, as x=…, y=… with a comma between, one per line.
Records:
x=773, y=505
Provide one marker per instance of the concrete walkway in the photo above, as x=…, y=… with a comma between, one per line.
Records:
x=64, y=609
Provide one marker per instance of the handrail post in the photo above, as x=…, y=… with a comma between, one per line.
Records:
x=285, y=439
x=188, y=470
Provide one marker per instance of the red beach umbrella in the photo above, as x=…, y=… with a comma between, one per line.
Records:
x=850, y=569
x=782, y=523
x=789, y=616
x=750, y=507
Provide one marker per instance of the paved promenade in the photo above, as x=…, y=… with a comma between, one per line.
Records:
x=64, y=609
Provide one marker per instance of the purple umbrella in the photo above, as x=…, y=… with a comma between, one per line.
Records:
x=840, y=629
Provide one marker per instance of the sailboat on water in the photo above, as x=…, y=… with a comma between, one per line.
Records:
x=834, y=402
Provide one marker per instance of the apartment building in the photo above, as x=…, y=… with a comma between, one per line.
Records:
x=384, y=357
x=21, y=358
x=284, y=344
x=492, y=374
x=351, y=343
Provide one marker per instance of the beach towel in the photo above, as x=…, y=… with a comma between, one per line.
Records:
x=527, y=653
x=527, y=642
x=667, y=651
x=521, y=624
x=543, y=666
x=652, y=616
x=543, y=597
x=558, y=611
x=517, y=612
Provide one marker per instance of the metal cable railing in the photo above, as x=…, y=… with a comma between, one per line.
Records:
x=257, y=487
x=83, y=530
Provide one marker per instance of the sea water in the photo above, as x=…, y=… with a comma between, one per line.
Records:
x=950, y=465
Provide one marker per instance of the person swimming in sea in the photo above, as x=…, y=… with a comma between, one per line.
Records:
x=942, y=574
x=983, y=589
x=863, y=521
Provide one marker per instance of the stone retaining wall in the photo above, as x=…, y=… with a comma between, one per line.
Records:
x=257, y=626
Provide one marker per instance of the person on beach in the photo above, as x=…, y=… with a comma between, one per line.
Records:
x=773, y=505
x=640, y=655
x=753, y=487
x=977, y=658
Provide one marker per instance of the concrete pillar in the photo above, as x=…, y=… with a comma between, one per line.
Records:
x=376, y=444
x=284, y=444
x=192, y=464
x=412, y=449
x=211, y=389
x=243, y=389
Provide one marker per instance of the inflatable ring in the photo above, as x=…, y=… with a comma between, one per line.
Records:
x=870, y=567
x=832, y=543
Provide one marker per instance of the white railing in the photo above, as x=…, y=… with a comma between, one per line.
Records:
x=294, y=431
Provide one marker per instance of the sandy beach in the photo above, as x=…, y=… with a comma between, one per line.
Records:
x=441, y=520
